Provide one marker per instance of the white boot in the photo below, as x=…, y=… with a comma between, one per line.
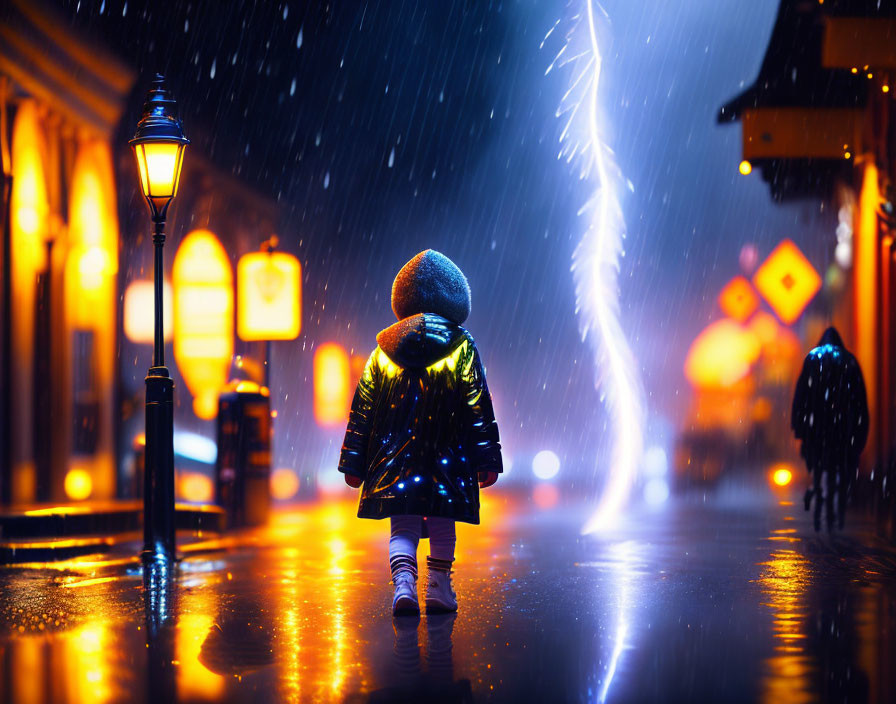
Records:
x=440, y=594
x=405, y=599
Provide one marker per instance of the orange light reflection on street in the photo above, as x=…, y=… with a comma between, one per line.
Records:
x=194, y=680
x=784, y=580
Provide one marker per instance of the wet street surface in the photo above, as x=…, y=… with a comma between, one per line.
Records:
x=716, y=600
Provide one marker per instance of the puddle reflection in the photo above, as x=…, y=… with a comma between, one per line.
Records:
x=300, y=612
x=784, y=580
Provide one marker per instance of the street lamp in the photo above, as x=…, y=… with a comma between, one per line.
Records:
x=159, y=145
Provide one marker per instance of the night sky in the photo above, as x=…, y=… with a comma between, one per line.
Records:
x=386, y=128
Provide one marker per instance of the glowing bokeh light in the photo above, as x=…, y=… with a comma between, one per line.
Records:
x=332, y=395
x=139, y=304
x=195, y=487
x=723, y=354
x=78, y=484
x=545, y=496
x=203, y=318
x=738, y=300
x=269, y=296
x=656, y=462
x=545, y=465
x=656, y=491
x=787, y=281
x=284, y=483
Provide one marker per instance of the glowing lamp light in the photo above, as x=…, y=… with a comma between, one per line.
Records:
x=738, y=300
x=723, y=354
x=545, y=465
x=158, y=146
x=745, y=167
x=78, y=484
x=203, y=318
x=284, y=483
x=781, y=474
x=787, y=281
x=269, y=296
x=332, y=370
x=139, y=299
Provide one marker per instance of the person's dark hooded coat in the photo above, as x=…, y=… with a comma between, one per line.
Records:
x=830, y=409
x=421, y=425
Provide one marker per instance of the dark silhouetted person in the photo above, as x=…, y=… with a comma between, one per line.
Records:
x=830, y=418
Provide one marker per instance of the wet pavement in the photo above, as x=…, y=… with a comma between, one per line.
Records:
x=722, y=599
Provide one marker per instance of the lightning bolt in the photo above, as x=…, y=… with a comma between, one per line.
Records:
x=595, y=264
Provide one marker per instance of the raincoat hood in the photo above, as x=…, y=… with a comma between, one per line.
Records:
x=831, y=337
x=431, y=283
x=420, y=340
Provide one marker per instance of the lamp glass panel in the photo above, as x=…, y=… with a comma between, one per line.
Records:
x=141, y=168
x=180, y=163
x=159, y=164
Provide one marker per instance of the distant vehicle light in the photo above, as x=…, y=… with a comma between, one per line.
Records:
x=781, y=475
x=545, y=465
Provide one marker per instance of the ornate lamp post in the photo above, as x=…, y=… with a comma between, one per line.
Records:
x=159, y=145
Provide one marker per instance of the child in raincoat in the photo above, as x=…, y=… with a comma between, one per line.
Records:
x=422, y=437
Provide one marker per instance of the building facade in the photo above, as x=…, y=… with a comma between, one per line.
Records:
x=75, y=238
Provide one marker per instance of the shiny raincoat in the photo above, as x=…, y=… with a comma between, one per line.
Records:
x=422, y=425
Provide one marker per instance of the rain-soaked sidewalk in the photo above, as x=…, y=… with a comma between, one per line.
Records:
x=694, y=602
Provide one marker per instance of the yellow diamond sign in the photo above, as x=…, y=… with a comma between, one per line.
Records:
x=738, y=300
x=787, y=281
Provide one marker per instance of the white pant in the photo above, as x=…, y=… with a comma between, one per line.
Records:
x=406, y=532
